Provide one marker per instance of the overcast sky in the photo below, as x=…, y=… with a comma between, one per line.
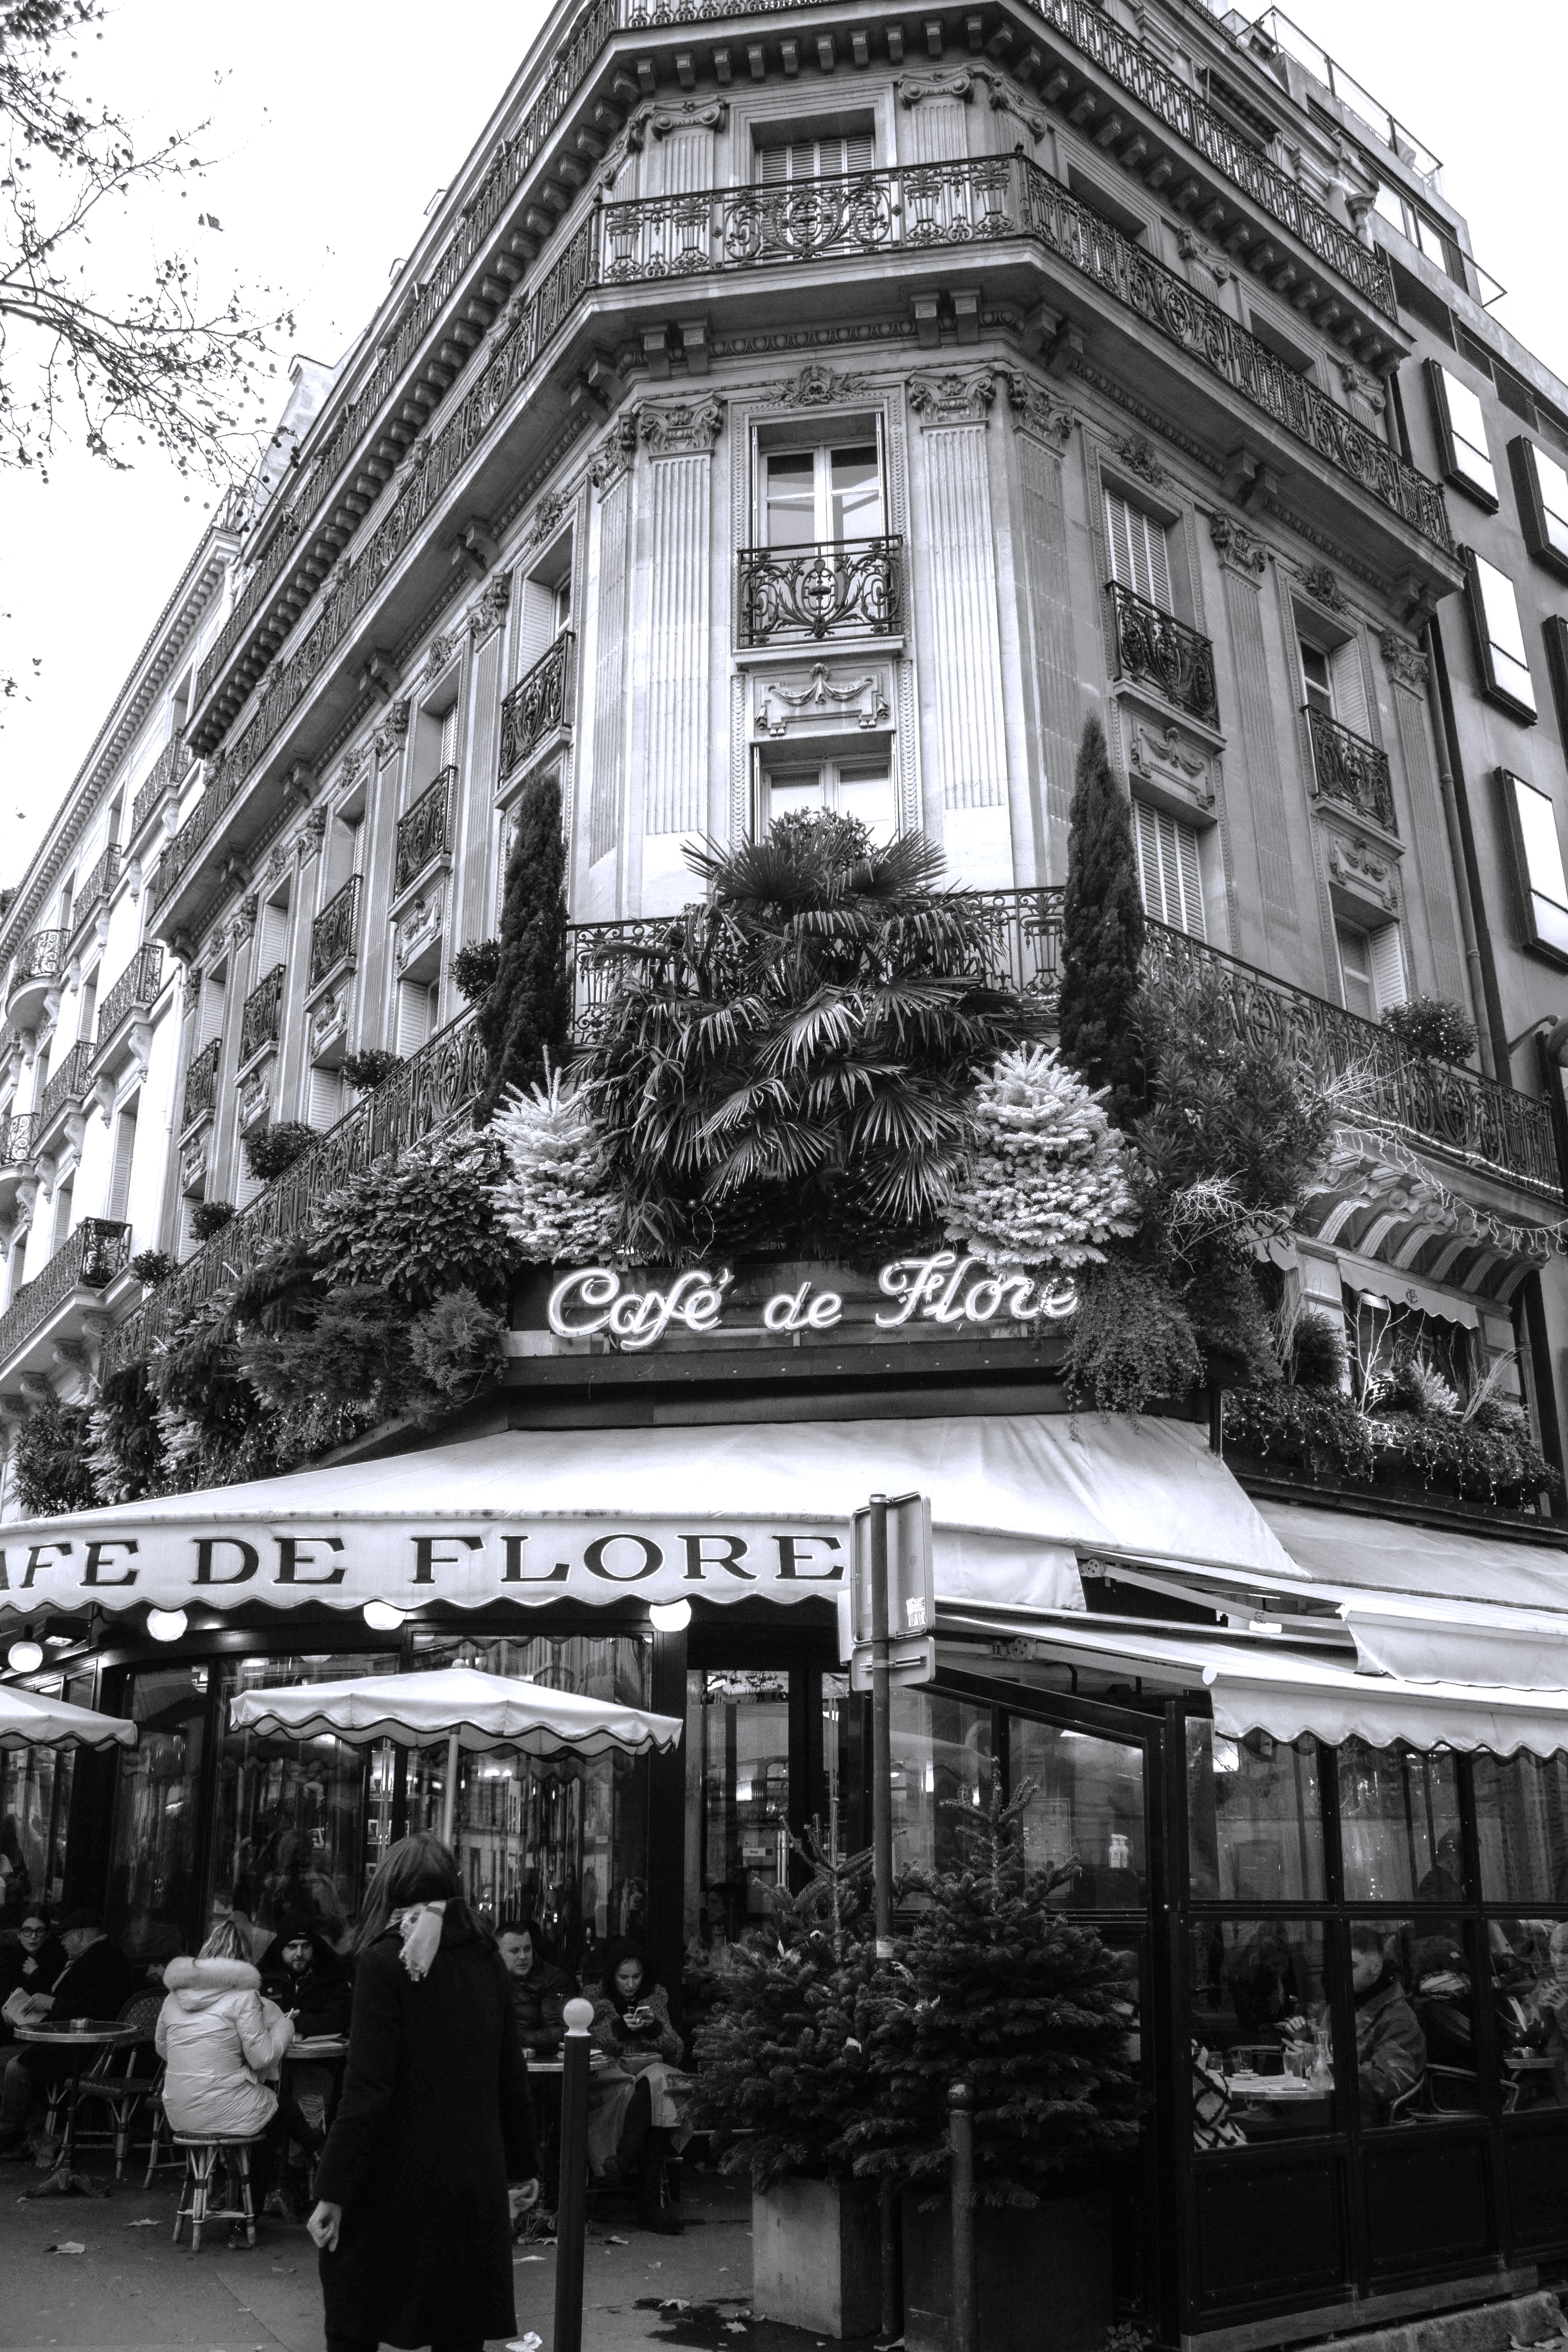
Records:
x=334, y=128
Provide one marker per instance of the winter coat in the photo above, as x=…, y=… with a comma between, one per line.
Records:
x=433, y=2122
x=1390, y=2048
x=538, y=2003
x=636, y=2052
x=22, y=1970
x=218, y=2037
x=320, y=1999
x=98, y=1985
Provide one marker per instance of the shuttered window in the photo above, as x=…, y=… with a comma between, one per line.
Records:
x=1140, y=558
x=1168, y=871
x=1387, y=967
x=815, y=159
x=1371, y=969
x=448, y=740
x=120, y=1167
x=1350, y=689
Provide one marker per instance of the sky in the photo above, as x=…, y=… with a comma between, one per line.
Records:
x=331, y=133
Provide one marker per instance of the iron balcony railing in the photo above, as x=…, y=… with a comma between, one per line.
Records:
x=224, y=779
x=262, y=1016
x=96, y=889
x=425, y=832
x=436, y=1086
x=16, y=1137
x=67, y=1087
x=538, y=705
x=172, y=762
x=1158, y=650
x=201, y=1085
x=332, y=934
x=135, y=990
x=39, y=958
x=934, y=207
x=832, y=588
x=1350, y=769
x=88, y=1260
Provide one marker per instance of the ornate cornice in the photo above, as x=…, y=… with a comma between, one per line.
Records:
x=815, y=386
x=954, y=395
x=1323, y=586
x=1239, y=548
x=680, y=428
x=963, y=84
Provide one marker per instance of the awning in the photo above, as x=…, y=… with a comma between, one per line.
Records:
x=478, y=1710
x=728, y=1513
x=30, y=1720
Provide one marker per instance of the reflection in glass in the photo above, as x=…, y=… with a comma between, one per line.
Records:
x=35, y=1807
x=1083, y=1826
x=1528, y=1971
x=737, y=1801
x=1521, y=1821
x=942, y=1771
x=1399, y=1825
x=1261, y=2044
x=1414, y=1992
x=1254, y=1823
x=152, y=1901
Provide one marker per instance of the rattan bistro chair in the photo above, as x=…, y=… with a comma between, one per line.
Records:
x=119, y=2082
x=202, y=2155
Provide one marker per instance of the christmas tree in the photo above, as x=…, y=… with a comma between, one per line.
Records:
x=1102, y=932
x=525, y=1014
x=1045, y=1183
x=552, y=1196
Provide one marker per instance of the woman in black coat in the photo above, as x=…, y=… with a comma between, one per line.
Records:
x=413, y=2215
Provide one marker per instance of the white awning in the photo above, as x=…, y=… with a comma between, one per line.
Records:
x=726, y=1512
x=28, y=1720
x=479, y=1710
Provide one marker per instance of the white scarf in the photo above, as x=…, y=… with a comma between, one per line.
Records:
x=420, y=1928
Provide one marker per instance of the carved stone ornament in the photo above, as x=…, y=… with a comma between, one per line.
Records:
x=815, y=387
x=255, y=1098
x=353, y=767
x=615, y=453
x=312, y=833
x=822, y=696
x=660, y=121
x=245, y=917
x=1237, y=546
x=1405, y=663
x=277, y=863
x=1190, y=247
x=1137, y=453
x=440, y=654
x=1033, y=411
x=957, y=396
x=547, y=515
x=1005, y=98
x=1360, y=384
x=419, y=926
x=1324, y=589
x=194, y=1164
x=1167, y=759
x=488, y=608
x=1357, y=865
x=692, y=426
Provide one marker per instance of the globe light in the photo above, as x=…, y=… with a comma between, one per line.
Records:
x=670, y=1616
x=24, y=1657
x=381, y=1617
x=166, y=1624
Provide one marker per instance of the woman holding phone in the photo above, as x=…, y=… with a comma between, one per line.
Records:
x=633, y=2115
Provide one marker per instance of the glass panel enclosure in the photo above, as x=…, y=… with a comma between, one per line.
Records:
x=737, y=1801
x=35, y=1807
x=1413, y=1991
x=1522, y=1823
x=1262, y=2035
x=1084, y=1822
x=1528, y=1973
x=941, y=1769
x=1399, y=1825
x=151, y=1891
x=1255, y=1820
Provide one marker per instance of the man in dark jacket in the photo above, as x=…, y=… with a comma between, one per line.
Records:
x=97, y=1983
x=540, y=1991
x=1390, y=2047
x=301, y=1971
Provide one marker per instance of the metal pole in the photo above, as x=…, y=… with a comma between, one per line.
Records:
x=961, y=2139
x=450, y=1804
x=892, y=2297
x=572, y=2200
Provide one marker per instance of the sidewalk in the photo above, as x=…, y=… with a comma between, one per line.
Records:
x=132, y=2290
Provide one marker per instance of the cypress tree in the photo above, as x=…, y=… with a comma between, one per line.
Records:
x=1102, y=932
x=526, y=1011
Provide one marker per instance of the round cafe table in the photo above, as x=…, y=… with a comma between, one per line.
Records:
x=82, y=2042
x=328, y=2050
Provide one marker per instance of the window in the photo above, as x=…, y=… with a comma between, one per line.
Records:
x=1168, y=870
x=1316, y=681
x=63, y=1194
x=449, y=753
x=120, y=1169
x=1422, y=231
x=1499, y=638
x=1261, y=2032
x=86, y=1009
x=781, y=160
x=1462, y=434
x=1371, y=969
x=830, y=493
x=1540, y=486
x=1255, y=1817
x=1531, y=822
x=560, y=618
x=1138, y=550
x=858, y=788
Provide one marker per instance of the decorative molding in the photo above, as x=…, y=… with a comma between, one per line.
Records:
x=815, y=387
x=312, y=833
x=328, y=1023
x=1168, y=759
x=1323, y=586
x=1360, y=384
x=255, y=1098
x=488, y=609
x=1033, y=411
x=614, y=454
x=442, y=648
x=822, y=696
x=1357, y=865
x=1405, y=663
x=244, y=923
x=1005, y=98
x=956, y=397
x=418, y=927
x=1137, y=453
x=547, y=516
x=386, y=739
x=680, y=429
x=353, y=767
x=661, y=121
x=1241, y=548
x=1190, y=247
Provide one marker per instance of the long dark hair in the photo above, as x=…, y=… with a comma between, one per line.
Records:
x=625, y=1947
x=417, y=1869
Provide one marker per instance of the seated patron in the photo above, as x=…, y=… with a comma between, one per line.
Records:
x=1390, y=2047
x=635, y=2120
x=31, y=1965
x=540, y=1991
x=96, y=1983
x=308, y=1981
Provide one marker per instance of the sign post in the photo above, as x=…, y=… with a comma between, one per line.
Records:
x=572, y=2199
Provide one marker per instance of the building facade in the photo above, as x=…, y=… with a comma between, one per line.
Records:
x=822, y=407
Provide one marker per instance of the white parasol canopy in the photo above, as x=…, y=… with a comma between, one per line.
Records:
x=472, y=1709
x=27, y=1720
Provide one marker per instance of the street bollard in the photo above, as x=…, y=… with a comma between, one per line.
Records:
x=571, y=2203
x=961, y=2141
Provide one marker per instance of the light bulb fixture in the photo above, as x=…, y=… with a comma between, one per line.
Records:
x=669, y=1616
x=24, y=1657
x=381, y=1617
x=166, y=1624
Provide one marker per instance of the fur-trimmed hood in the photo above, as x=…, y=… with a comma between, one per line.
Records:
x=197, y=1984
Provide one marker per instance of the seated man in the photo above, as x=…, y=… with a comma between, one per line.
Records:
x=97, y=1983
x=540, y=1991
x=1390, y=2047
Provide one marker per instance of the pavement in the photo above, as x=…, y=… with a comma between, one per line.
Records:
x=130, y=2289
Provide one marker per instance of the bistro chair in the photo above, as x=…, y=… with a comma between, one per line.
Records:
x=115, y=2080
x=202, y=2157
x=158, y=2130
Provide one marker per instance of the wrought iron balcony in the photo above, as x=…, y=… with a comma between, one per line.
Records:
x=16, y=1137
x=424, y=831
x=67, y=1087
x=1154, y=647
x=1350, y=769
x=42, y=956
x=262, y=1017
x=831, y=588
x=88, y=1260
x=334, y=932
x=538, y=705
x=201, y=1085
x=96, y=889
x=439, y=1083
x=172, y=762
x=224, y=779
x=134, y=992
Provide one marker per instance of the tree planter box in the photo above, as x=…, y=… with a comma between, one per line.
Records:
x=816, y=2257
x=1043, y=2274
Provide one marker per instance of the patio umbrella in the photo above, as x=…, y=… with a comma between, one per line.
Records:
x=30, y=1720
x=473, y=1709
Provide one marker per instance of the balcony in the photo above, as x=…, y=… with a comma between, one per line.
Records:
x=67, y=1090
x=170, y=765
x=88, y=1261
x=222, y=788
x=539, y=705
x=832, y=588
x=40, y=960
x=201, y=1085
x=425, y=833
x=261, y=1021
x=94, y=892
x=15, y=1139
x=1154, y=649
x=1348, y=770
x=334, y=932
x=136, y=991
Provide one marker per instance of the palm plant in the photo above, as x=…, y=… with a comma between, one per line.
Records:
x=786, y=1064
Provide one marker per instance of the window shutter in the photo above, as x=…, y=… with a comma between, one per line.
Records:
x=1169, y=870
x=120, y=1173
x=1347, y=680
x=1140, y=559
x=860, y=152
x=1149, y=882
x=1191, y=881
x=1387, y=967
x=448, y=739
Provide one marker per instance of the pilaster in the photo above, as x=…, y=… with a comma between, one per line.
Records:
x=1243, y=565
x=1407, y=667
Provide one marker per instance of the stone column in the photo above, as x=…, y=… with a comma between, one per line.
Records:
x=1052, y=679
x=1406, y=666
x=597, y=895
x=474, y=817
x=1273, y=915
x=672, y=727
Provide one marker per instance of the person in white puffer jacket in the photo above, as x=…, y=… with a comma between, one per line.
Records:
x=220, y=2036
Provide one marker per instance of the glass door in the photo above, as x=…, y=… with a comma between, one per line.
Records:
x=737, y=1801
